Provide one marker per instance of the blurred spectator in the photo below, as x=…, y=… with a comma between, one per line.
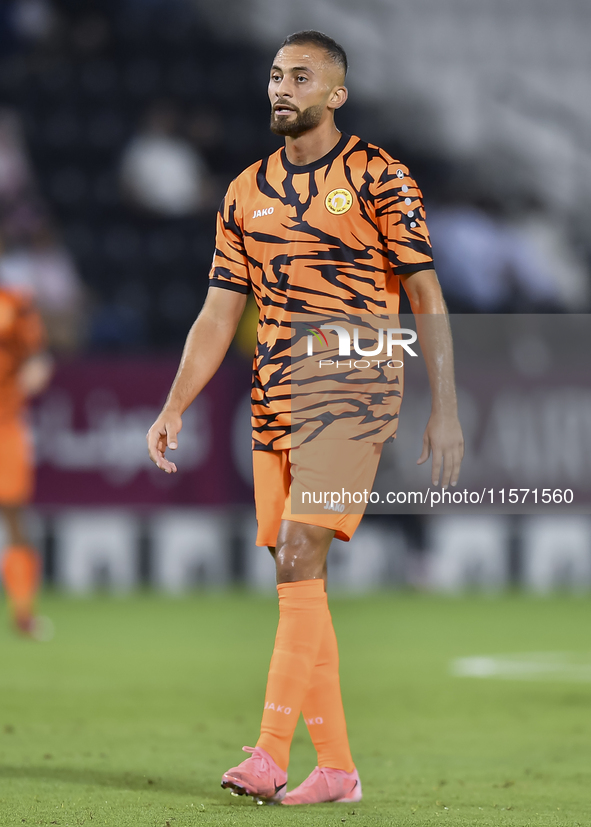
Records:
x=33, y=21
x=161, y=171
x=118, y=326
x=32, y=262
x=486, y=265
x=43, y=269
x=15, y=176
x=548, y=235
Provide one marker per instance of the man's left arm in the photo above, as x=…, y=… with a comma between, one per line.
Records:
x=443, y=434
x=37, y=364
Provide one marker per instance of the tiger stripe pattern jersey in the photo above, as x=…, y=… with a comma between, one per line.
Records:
x=331, y=237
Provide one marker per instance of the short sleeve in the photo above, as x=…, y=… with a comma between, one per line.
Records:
x=400, y=215
x=229, y=268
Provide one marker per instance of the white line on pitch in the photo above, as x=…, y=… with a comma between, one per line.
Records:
x=532, y=666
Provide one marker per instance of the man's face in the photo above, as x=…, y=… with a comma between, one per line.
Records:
x=304, y=88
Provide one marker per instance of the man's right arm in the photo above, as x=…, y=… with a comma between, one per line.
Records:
x=206, y=345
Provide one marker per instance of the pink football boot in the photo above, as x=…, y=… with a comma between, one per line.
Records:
x=324, y=784
x=258, y=776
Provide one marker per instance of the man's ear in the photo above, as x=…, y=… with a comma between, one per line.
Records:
x=338, y=97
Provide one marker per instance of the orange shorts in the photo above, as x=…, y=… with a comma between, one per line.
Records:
x=16, y=463
x=285, y=482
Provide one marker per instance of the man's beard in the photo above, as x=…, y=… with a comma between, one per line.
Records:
x=303, y=122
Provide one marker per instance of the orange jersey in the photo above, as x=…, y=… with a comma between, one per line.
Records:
x=331, y=237
x=21, y=336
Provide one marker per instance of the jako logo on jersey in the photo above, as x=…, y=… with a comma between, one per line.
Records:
x=345, y=340
x=338, y=201
x=261, y=213
x=332, y=506
x=285, y=709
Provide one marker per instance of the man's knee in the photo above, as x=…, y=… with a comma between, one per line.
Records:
x=300, y=553
x=292, y=560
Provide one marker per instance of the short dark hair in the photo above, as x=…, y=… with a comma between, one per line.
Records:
x=333, y=49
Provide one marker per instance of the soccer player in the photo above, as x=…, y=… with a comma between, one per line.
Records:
x=25, y=370
x=327, y=225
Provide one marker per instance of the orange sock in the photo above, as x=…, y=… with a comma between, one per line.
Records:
x=21, y=573
x=302, y=618
x=323, y=706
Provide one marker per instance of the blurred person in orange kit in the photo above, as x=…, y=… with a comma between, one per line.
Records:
x=25, y=370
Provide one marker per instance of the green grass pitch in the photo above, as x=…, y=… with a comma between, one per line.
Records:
x=133, y=712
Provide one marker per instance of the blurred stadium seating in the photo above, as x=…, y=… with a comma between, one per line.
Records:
x=82, y=93
x=487, y=102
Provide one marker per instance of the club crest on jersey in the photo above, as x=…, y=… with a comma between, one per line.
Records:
x=261, y=213
x=339, y=201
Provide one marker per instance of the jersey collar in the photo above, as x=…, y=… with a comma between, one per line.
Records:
x=321, y=162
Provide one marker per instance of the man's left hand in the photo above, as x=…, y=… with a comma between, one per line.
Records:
x=444, y=439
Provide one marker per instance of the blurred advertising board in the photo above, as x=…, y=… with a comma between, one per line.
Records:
x=524, y=392
x=90, y=436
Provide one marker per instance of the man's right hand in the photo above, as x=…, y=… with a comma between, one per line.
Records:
x=205, y=348
x=162, y=435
